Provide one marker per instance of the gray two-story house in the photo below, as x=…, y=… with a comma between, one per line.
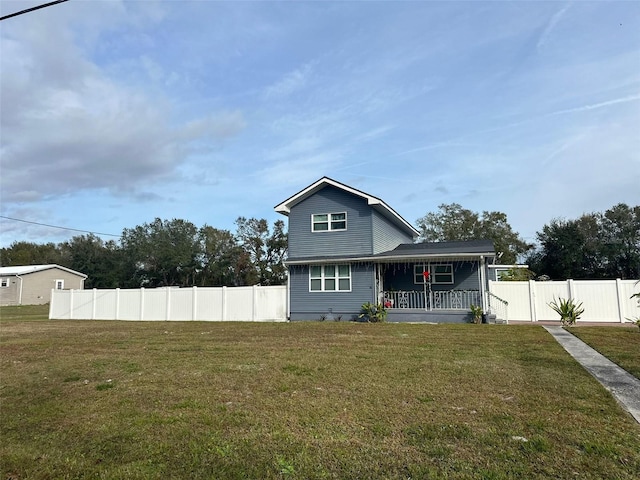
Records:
x=347, y=248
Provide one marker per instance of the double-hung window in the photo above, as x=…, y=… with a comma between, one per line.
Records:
x=329, y=222
x=438, y=274
x=4, y=282
x=330, y=278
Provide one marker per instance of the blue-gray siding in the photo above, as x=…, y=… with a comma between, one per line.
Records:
x=356, y=240
x=306, y=305
x=368, y=231
x=386, y=236
x=400, y=277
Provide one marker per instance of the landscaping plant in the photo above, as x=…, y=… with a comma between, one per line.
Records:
x=373, y=312
x=568, y=310
x=476, y=313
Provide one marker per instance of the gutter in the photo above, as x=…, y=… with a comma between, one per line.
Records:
x=388, y=258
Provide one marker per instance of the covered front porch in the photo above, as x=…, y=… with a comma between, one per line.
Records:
x=432, y=286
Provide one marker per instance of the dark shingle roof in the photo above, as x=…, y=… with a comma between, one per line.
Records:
x=443, y=248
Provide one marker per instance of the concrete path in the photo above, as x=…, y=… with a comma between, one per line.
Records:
x=624, y=386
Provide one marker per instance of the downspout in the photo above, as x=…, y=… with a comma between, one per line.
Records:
x=20, y=290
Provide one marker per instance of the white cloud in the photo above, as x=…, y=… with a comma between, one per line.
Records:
x=290, y=83
x=67, y=126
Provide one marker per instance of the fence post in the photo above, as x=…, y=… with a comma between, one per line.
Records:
x=141, y=316
x=254, y=303
x=167, y=305
x=93, y=303
x=619, y=293
x=70, y=304
x=571, y=286
x=224, y=304
x=532, y=300
x=117, y=304
x=194, y=303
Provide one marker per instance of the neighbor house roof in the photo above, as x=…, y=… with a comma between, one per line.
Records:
x=440, y=251
x=285, y=207
x=27, y=269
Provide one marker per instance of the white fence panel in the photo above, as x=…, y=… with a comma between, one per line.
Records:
x=595, y=297
x=179, y=304
x=603, y=300
x=517, y=295
x=273, y=303
x=105, y=305
x=210, y=304
x=130, y=304
x=545, y=293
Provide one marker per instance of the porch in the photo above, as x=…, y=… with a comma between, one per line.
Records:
x=429, y=300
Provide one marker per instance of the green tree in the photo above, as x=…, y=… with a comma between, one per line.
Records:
x=99, y=260
x=266, y=250
x=620, y=230
x=454, y=223
x=29, y=253
x=224, y=262
x=596, y=245
x=162, y=253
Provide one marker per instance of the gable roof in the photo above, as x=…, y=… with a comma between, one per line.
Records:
x=27, y=269
x=376, y=203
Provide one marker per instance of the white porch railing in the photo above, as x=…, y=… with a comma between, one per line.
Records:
x=498, y=307
x=434, y=300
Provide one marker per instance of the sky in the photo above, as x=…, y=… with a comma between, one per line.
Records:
x=113, y=113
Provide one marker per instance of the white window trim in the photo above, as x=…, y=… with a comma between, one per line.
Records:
x=329, y=221
x=432, y=276
x=337, y=278
x=4, y=283
x=61, y=281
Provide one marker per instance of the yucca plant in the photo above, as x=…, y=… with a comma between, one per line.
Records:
x=476, y=313
x=568, y=310
x=372, y=312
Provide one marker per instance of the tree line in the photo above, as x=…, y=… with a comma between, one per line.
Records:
x=600, y=245
x=168, y=253
x=177, y=253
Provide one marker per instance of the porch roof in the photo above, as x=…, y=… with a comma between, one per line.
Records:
x=440, y=251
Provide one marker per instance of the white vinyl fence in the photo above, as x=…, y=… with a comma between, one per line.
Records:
x=256, y=304
x=602, y=300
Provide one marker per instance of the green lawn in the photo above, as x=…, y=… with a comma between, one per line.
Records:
x=310, y=400
x=620, y=345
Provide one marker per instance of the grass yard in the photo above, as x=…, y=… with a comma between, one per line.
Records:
x=311, y=400
x=620, y=345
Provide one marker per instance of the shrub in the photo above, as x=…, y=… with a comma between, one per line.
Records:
x=568, y=310
x=476, y=313
x=373, y=312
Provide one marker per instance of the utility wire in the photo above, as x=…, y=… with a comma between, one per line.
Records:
x=31, y=9
x=61, y=228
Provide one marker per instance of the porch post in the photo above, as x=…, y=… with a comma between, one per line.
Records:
x=483, y=294
x=379, y=282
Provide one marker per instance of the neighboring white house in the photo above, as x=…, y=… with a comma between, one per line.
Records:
x=32, y=284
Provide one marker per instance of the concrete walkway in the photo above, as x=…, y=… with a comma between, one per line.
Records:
x=624, y=386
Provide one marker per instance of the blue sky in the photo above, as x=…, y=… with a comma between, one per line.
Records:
x=116, y=112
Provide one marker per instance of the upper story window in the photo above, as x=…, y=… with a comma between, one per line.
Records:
x=438, y=274
x=329, y=222
x=4, y=282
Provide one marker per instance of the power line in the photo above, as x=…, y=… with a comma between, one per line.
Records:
x=59, y=227
x=31, y=9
